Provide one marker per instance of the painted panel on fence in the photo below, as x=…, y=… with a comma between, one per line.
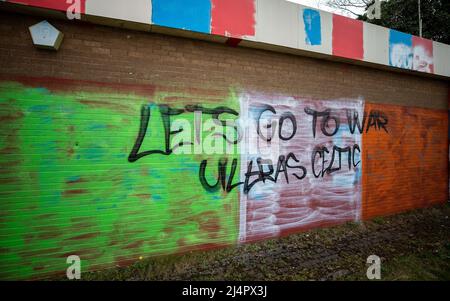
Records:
x=194, y=15
x=233, y=18
x=407, y=167
x=62, y=5
x=422, y=55
x=400, y=49
x=131, y=10
x=302, y=164
x=312, y=24
x=347, y=37
x=68, y=186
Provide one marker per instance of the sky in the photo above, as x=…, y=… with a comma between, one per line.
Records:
x=321, y=4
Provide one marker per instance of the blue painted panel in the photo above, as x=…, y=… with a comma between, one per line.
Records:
x=311, y=19
x=400, y=49
x=193, y=15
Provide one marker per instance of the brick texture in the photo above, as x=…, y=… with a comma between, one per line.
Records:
x=111, y=55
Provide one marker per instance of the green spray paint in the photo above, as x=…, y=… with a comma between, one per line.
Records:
x=67, y=188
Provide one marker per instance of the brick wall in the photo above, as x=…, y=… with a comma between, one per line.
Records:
x=73, y=180
x=129, y=57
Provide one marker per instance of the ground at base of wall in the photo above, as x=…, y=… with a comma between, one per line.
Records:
x=412, y=246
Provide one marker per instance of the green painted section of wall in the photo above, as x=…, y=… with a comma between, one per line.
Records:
x=67, y=187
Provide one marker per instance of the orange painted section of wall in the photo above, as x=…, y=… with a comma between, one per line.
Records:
x=407, y=167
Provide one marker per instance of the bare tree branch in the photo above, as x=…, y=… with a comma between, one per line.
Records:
x=349, y=5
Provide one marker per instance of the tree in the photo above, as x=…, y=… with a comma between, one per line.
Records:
x=355, y=7
x=402, y=15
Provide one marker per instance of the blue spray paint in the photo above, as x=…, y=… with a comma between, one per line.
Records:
x=400, y=49
x=311, y=19
x=194, y=15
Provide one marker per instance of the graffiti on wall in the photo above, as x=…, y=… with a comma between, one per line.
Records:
x=304, y=171
x=312, y=176
x=114, y=173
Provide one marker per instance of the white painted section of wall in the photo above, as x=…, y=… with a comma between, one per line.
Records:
x=277, y=22
x=376, y=44
x=441, y=59
x=130, y=10
x=326, y=32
